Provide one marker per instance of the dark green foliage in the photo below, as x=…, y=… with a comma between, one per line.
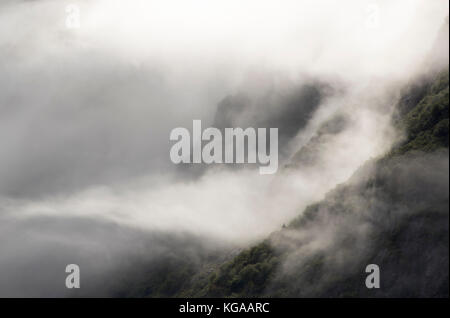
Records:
x=427, y=123
x=246, y=275
x=307, y=215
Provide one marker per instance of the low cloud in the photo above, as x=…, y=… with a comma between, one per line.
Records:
x=85, y=118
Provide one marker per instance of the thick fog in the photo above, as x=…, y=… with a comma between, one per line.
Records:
x=86, y=113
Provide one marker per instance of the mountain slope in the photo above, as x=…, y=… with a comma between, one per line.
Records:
x=393, y=212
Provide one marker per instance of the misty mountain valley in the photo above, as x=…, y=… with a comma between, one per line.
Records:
x=224, y=149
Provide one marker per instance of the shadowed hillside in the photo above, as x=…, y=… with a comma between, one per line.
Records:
x=393, y=212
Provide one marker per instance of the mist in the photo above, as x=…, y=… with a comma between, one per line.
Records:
x=86, y=113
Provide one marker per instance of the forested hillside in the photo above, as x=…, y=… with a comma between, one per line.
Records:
x=393, y=212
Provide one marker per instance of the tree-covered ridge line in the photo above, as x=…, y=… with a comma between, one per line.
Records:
x=397, y=197
x=252, y=272
x=427, y=124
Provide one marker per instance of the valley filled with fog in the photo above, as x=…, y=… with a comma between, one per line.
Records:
x=86, y=114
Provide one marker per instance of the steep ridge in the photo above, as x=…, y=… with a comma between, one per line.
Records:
x=393, y=212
